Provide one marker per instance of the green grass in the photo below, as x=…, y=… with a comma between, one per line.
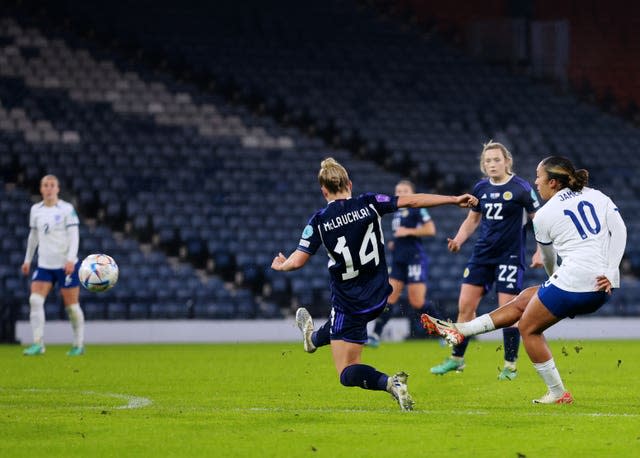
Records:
x=275, y=400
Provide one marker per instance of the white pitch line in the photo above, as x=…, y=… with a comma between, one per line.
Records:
x=133, y=402
x=544, y=411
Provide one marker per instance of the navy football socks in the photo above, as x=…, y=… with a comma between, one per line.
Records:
x=321, y=337
x=364, y=376
x=382, y=320
x=460, y=349
x=511, y=339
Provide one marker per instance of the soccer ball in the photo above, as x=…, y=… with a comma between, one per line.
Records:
x=98, y=272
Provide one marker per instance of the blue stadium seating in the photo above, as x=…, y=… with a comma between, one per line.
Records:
x=166, y=175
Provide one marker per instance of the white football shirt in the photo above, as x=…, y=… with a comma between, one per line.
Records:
x=577, y=225
x=53, y=239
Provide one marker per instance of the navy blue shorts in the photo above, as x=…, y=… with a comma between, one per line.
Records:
x=352, y=327
x=569, y=304
x=57, y=276
x=416, y=272
x=507, y=277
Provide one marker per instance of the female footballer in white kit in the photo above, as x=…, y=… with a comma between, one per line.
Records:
x=581, y=226
x=54, y=232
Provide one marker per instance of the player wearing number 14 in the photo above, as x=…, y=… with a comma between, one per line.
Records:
x=349, y=228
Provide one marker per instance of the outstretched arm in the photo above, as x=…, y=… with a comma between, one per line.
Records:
x=296, y=260
x=434, y=200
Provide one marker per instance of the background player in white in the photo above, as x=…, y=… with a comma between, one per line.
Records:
x=498, y=257
x=583, y=227
x=54, y=232
x=349, y=229
x=409, y=262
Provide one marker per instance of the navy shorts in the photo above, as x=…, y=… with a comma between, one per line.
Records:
x=569, y=304
x=352, y=327
x=57, y=276
x=416, y=272
x=508, y=278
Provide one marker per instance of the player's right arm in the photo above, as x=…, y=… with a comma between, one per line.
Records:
x=32, y=244
x=296, y=260
x=467, y=228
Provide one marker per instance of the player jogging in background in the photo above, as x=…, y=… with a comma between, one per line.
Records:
x=505, y=202
x=409, y=261
x=349, y=229
x=54, y=232
x=583, y=227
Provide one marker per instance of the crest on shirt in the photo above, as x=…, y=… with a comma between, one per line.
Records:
x=404, y=212
x=465, y=274
x=307, y=232
x=508, y=195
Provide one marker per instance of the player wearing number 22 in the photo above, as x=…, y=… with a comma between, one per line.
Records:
x=350, y=230
x=498, y=257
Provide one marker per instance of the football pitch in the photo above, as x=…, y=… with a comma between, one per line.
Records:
x=275, y=400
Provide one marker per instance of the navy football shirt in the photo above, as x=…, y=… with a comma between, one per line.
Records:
x=350, y=231
x=504, y=207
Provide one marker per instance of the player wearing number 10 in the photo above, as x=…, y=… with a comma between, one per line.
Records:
x=583, y=227
x=350, y=230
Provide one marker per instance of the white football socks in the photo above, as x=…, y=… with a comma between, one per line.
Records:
x=76, y=316
x=478, y=325
x=36, y=316
x=551, y=377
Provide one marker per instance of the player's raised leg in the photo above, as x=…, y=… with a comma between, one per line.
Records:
x=499, y=318
x=305, y=324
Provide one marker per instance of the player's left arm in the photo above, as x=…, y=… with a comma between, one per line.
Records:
x=295, y=261
x=72, y=253
x=73, y=233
